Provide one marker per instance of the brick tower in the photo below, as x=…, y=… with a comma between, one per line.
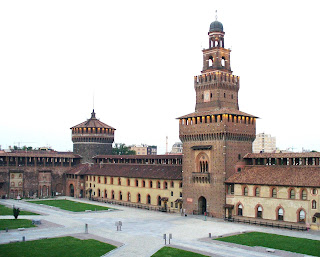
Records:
x=91, y=138
x=217, y=135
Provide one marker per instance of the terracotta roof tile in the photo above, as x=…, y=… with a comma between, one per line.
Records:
x=278, y=176
x=217, y=112
x=41, y=154
x=281, y=155
x=164, y=156
x=131, y=171
x=93, y=122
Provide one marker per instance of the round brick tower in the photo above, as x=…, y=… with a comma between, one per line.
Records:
x=91, y=138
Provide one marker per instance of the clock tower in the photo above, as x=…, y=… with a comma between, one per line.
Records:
x=217, y=135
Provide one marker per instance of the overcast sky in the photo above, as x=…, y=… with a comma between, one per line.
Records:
x=138, y=59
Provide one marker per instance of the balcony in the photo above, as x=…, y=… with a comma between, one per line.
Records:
x=199, y=177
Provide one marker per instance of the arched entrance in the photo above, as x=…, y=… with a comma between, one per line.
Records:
x=202, y=205
x=71, y=190
x=45, y=191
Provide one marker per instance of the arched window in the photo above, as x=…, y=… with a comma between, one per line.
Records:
x=274, y=193
x=112, y=194
x=203, y=163
x=105, y=194
x=98, y=192
x=304, y=194
x=128, y=182
x=223, y=61
x=159, y=200
x=245, y=190
x=239, y=212
x=138, y=198
x=99, y=180
x=280, y=214
x=172, y=184
x=314, y=204
x=119, y=181
x=165, y=185
x=129, y=197
x=143, y=183
x=302, y=216
x=137, y=183
x=314, y=191
x=210, y=61
x=150, y=184
x=158, y=184
x=149, y=199
x=259, y=212
x=292, y=194
x=257, y=191
x=120, y=195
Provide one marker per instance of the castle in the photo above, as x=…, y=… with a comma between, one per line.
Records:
x=217, y=175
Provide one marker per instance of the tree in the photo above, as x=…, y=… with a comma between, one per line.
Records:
x=122, y=149
x=16, y=212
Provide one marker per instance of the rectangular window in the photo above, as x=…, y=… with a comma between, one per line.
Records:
x=231, y=189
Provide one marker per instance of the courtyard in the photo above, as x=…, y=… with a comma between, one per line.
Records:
x=142, y=230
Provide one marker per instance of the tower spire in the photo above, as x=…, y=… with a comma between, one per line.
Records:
x=93, y=114
x=216, y=15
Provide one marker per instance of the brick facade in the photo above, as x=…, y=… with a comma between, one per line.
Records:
x=217, y=136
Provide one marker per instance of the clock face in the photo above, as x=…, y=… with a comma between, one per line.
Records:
x=206, y=96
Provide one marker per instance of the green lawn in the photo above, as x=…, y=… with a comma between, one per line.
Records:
x=8, y=211
x=174, y=252
x=61, y=246
x=291, y=244
x=71, y=205
x=15, y=223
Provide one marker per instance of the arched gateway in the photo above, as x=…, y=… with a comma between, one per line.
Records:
x=202, y=205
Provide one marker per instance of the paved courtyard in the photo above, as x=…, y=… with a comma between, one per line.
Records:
x=142, y=230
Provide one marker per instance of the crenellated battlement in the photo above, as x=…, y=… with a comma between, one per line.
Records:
x=99, y=131
x=217, y=78
x=237, y=127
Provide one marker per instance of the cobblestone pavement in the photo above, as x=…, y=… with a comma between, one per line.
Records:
x=142, y=231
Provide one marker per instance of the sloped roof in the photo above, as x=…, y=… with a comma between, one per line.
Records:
x=162, y=156
x=278, y=176
x=152, y=171
x=47, y=154
x=217, y=112
x=282, y=155
x=93, y=122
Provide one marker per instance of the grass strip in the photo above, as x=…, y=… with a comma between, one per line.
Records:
x=174, y=252
x=287, y=243
x=8, y=211
x=56, y=247
x=15, y=223
x=71, y=205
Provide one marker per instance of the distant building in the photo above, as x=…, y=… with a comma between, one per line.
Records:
x=264, y=143
x=176, y=148
x=144, y=149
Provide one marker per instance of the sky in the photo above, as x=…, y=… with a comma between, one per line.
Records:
x=137, y=60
